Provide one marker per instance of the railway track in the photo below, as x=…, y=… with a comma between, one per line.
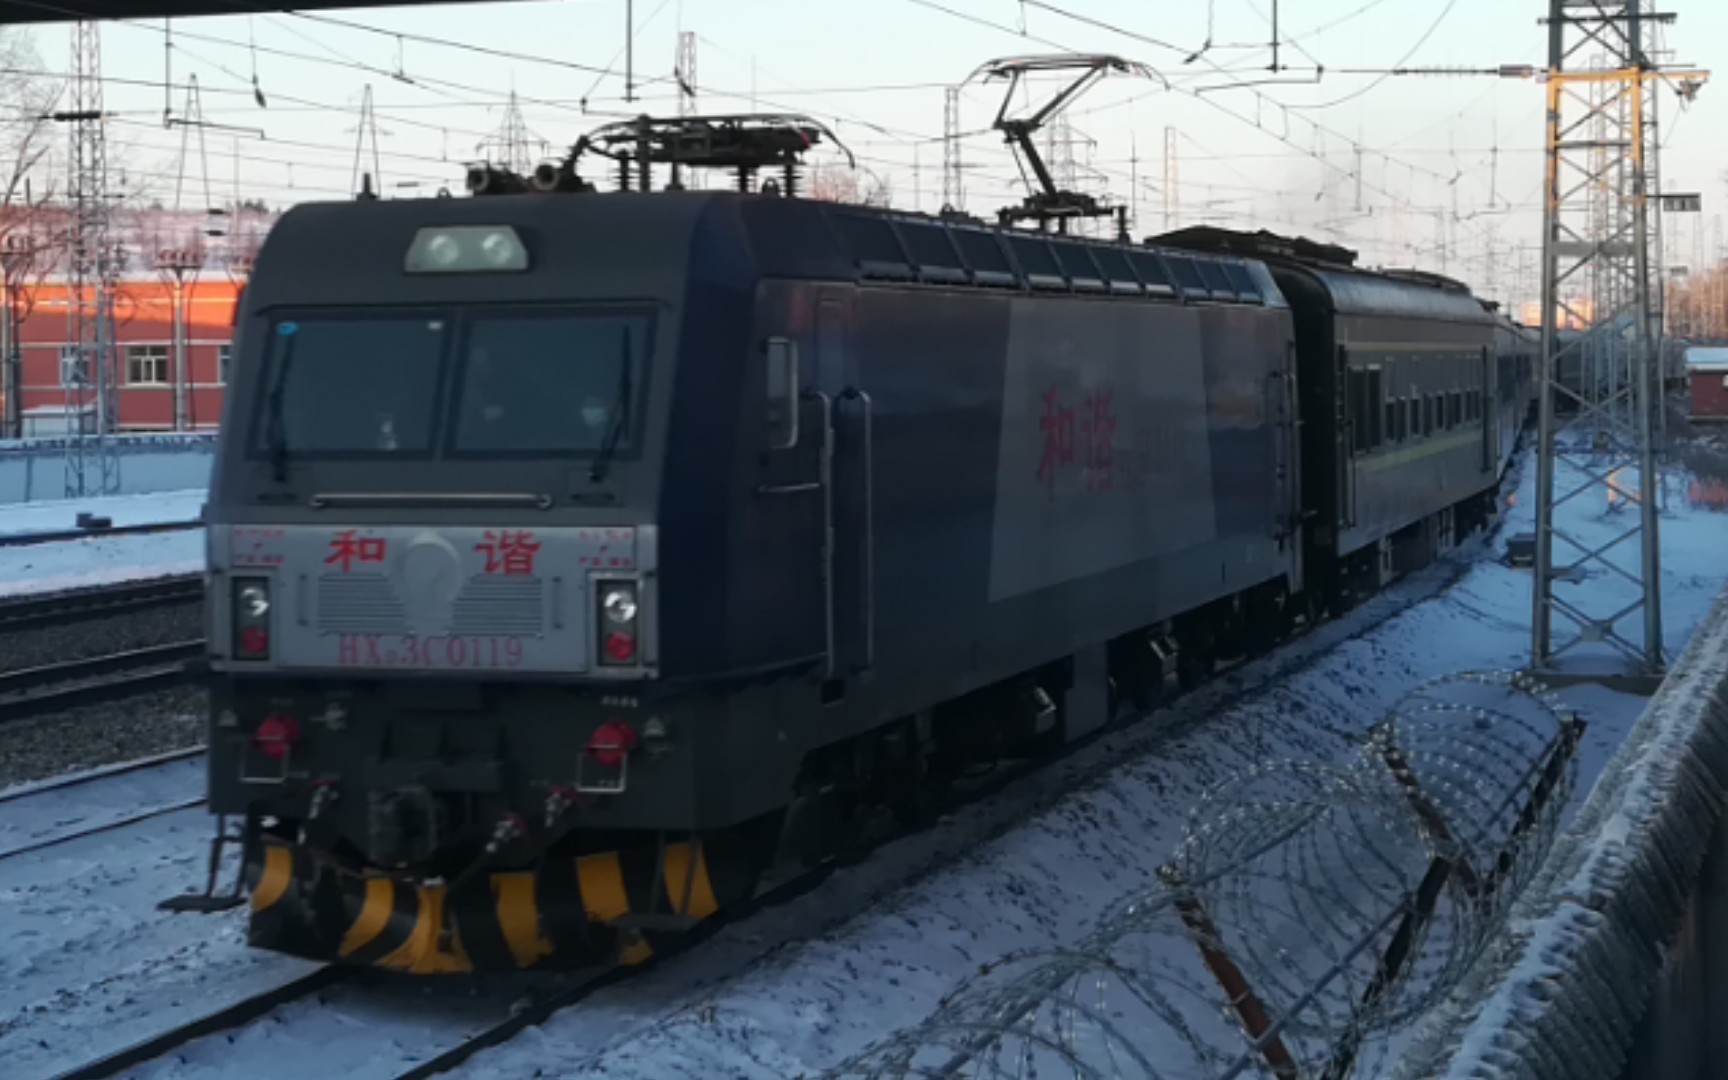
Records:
x=71, y=814
x=52, y=687
x=234, y=1016
x=60, y=608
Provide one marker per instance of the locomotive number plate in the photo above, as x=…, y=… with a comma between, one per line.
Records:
x=467, y=652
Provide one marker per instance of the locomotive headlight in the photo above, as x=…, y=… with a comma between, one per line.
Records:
x=499, y=249
x=453, y=249
x=443, y=251
x=619, y=604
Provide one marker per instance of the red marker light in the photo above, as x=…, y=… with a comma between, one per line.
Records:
x=612, y=743
x=254, y=641
x=620, y=648
x=276, y=735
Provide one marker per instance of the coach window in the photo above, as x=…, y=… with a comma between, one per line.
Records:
x=1360, y=411
x=1372, y=406
x=1391, y=421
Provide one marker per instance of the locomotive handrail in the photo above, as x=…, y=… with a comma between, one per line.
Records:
x=825, y=477
x=869, y=523
x=538, y=501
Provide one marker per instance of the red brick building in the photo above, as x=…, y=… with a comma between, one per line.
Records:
x=1707, y=373
x=144, y=357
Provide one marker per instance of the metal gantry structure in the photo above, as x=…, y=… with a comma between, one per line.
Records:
x=88, y=367
x=1599, y=385
x=953, y=184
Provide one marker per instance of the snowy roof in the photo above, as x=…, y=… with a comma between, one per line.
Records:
x=1699, y=358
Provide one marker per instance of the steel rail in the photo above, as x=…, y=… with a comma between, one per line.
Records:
x=38, y=690
x=242, y=1012
x=106, y=772
x=100, y=772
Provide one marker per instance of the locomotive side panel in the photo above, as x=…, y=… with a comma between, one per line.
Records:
x=1104, y=457
x=1061, y=472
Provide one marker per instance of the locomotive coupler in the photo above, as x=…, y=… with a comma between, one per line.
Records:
x=558, y=803
x=208, y=902
x=315, y=829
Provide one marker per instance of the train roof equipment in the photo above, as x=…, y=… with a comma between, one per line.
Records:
x=1047, y=202
x=1348, y=287
x=744, y=144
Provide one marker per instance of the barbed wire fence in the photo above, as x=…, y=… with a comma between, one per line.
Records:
x=1311, y=914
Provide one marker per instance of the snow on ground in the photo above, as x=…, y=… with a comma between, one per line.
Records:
x=40, y=813
x=23, y=519
x=813, y=1003
x=87, y=964
x=100, y=560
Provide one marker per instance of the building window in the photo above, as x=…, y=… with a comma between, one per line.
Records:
x=147, y=365
x=224, y=355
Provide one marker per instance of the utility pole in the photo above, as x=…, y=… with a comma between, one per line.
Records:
x=686, y=72
x=1172, y=201
x=90, y=296
x=17, y=254
x=176, y=268
x=1596, y=271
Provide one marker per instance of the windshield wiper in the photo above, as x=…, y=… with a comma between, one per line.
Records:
x=276, y=434
x=620, y=409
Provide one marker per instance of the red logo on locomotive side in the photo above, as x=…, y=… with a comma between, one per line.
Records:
x=348, y=548
x=509, y=553
x=1083, y=435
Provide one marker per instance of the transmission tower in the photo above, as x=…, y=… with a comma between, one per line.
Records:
x=88, y=365
x=686, y=72
x=953, y=190
x=361, y=183
x=512, y=145
x=1597, y=272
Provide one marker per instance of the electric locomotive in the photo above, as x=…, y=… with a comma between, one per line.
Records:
x=576, y=558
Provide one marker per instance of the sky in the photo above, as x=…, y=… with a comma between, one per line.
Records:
x=1441, y=171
